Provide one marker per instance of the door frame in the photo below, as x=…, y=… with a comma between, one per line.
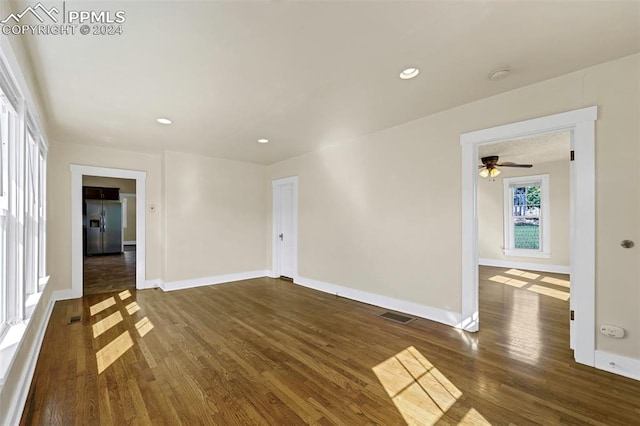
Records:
x=581, y=124
x=275, y=247
x=77, y=172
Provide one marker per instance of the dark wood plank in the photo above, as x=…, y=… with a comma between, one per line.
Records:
x=270, y=352
x=108, y=273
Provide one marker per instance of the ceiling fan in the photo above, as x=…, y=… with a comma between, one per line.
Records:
x=489, y=166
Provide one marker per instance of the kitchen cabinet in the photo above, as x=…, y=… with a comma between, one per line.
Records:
x=99, y=193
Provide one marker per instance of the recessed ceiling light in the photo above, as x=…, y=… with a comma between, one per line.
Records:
x=164, y=121
x=409, y=73
x=499, y=74
x=263, y=140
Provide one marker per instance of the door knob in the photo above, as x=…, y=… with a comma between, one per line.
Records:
x=281, y=236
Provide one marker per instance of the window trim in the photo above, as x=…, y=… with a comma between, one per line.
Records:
x=4, y=155
x=24, y=166
x=43, y=277
x=545, y=225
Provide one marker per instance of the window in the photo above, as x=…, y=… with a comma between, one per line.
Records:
x=4, y=205
x=7, y=121
x=23, y=156
x=42, y=219
x=526, y=216
x=4, y=156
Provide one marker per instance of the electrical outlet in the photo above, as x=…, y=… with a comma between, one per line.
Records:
x=612, y=331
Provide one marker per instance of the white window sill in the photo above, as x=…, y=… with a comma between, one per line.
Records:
x=42, y=282
x=527, y=253
x=12, y=336
x=9, y=345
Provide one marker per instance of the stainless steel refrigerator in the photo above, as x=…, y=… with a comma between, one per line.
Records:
x=104, y=226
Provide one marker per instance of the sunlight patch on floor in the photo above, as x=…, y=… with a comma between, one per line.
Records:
x=144, y=326
x=114, y=350
x=421, y=393
x=523, y=274
x=132, y=307
x=556, y=281
x=471, y=341
x=541, y=288
x=473, y=418
x=524, y=337
x=106, y=323
x=558, y=294
x=508, y=281
x=121, y=344
x=101, y=306
x=123, y=295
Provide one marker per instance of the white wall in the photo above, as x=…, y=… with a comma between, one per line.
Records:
x=373, y=216
x=215, y=213
x=383, y=213
x=61, y=156
x=129, y=233
x=616, y=87
x=491, y=213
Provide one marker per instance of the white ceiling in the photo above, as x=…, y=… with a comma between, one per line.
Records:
x=534, y=150
x=304, y=74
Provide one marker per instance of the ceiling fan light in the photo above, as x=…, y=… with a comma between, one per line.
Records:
x=494, y=172
x=484, y=172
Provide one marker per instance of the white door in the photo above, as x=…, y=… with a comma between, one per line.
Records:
x=285, y=238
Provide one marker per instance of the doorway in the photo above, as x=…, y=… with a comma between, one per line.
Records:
x=109, y=234
x=285, y=227
x=78, y=172
x=523, y=243
x=581, y=124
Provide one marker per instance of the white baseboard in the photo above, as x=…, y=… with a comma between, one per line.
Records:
x=19, y=399
x=218, y=279
x=129, y=243
x=618, y=364
x=538, y=267
x=434, y=314
x=271, y=274
x=62, y=295
x=151, y=284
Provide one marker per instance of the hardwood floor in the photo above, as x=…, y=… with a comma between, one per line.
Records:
x=267, y=351
x=113, y=272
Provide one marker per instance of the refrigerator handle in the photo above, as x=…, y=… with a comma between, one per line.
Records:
x=102, y=222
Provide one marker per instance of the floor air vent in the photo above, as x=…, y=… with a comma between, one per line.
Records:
x=402, y=319
x=74, y=319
